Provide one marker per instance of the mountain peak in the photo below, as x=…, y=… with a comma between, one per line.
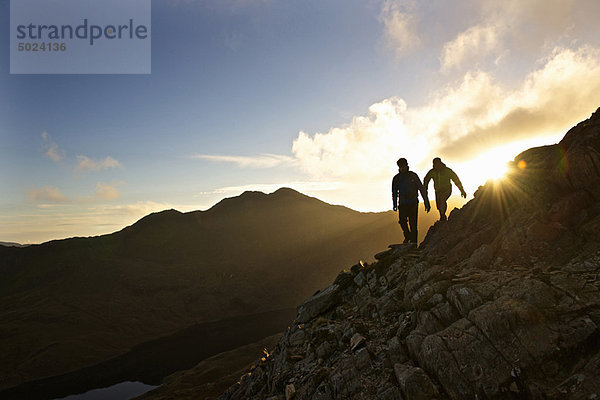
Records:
x=283, y=196
x=287, y=191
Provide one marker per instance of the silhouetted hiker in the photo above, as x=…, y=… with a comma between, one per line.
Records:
x=441, y=176
x=405, y=198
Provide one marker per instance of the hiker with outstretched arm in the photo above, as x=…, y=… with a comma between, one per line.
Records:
x=406, y=186
x=442, y=175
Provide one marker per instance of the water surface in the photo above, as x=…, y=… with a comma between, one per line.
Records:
x=120, y=391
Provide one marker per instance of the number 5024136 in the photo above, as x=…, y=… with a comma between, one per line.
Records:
x=26, y=46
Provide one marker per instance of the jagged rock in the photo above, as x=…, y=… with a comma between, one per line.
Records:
x=415, y=383
x=445, y=313
x=394, y=272
x=324, y=350
x=388, y=303
x=388, y=393
x=344, y=280
x=396, y=352
x=413, y=343
x=582, y=385
x=356, y=341
x=362, y=359
x=383, y=254
x=482, y=257
x=463, y=298
x=323, y=392
x=406, y=324
x=290, y=392
x=297, y=338
x=317, y=304
x=421, y=296
x=359, y=279
x=362, y=297
x=344, y=381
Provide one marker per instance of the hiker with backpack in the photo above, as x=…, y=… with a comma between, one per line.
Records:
x=406, y=186
x=442, y=175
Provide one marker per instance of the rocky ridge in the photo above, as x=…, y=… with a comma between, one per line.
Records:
x=500, y=301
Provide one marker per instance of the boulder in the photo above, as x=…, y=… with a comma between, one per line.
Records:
x=414, y=383
x=318, y=304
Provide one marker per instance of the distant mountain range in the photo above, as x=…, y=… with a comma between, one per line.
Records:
x=12, y=244
x=74, y=303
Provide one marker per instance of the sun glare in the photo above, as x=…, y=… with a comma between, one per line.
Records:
x=490, y=165
x=493, y=164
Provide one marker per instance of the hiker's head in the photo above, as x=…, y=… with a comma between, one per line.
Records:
x=437, y=163
x=402, y=164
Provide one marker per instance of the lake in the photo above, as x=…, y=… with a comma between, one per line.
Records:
x=120, y=391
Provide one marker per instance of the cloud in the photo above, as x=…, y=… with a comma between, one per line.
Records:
x=105, y=191
x=400, y=25
x=550, y=100
x=87, y=164
x=363, y=149
x=51, y=149
x=475, y=42
x=53, y=195
x=300, y=186
x=460, y=121
x=519, y=27
x=47, y=194
x=261, y=161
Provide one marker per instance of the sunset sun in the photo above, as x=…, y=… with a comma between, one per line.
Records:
x=490, y=165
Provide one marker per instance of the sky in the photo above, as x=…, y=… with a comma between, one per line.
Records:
x=320, y=96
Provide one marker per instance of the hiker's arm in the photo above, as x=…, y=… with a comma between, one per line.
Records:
x=457, y=182
x=394, y=193
x=423, y=193
x=428, y=178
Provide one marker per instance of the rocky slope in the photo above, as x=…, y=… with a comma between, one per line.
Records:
x=501, y=301
x=72, y=304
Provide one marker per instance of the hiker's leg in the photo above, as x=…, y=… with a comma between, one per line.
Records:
x=441, y=201
x=413, y=212
x=402, y=220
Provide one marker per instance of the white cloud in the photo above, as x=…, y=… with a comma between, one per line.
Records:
x=261, y=161
x=47, y=194
x=363, y=149
x=400, y=25
x=476, y=42
x=516, y=27
x=105, y=191
x=550, y=100
x=459, y=123
x=87, y=164
x=53, y=153
x=51, y=148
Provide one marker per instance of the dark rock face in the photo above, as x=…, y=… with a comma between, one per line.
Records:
x=500, y=301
